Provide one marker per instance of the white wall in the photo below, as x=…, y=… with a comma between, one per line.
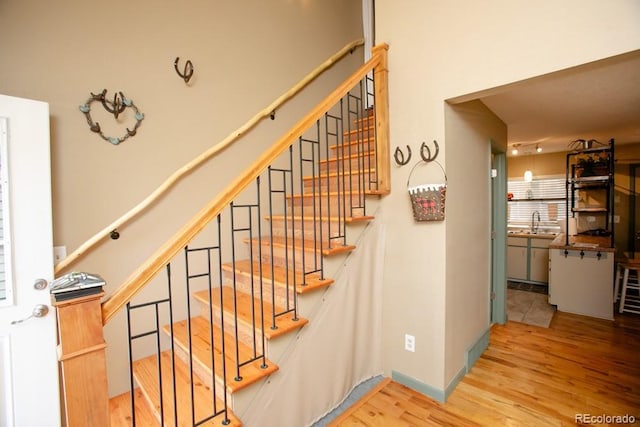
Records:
x=442, y=50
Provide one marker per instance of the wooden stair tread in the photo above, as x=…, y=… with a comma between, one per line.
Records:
x=351, y=156
x=334, y=174
x=284, y=323
x=120, y=410
x=328, y=248
x=201, y=350
x=322, y=218
x=146, y=372
x=312, y=282
x=368, y=139
x=366, y=192
x=362, y=129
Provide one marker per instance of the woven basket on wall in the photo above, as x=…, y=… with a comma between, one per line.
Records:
x=428, y=200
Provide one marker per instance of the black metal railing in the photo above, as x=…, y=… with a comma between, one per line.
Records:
x=241, y=274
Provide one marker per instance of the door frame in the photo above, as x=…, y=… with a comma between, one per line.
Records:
x=498, y=238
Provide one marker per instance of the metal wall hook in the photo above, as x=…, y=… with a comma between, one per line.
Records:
x=428, y=157
x=398, y=155
x=115, y=107
x=188, y=70
x=273, y=115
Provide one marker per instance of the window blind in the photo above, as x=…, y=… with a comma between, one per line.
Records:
x=545, y=195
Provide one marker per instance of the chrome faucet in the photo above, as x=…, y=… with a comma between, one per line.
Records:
x=535, y=224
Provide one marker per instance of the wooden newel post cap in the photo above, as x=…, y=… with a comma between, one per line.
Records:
x=75, y=285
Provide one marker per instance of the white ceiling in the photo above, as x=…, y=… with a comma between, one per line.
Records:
x=600, y=101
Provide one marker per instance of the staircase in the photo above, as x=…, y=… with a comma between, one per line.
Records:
x=267, y=252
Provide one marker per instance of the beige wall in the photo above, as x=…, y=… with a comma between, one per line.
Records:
x=439, y=51
x=245, y=55
x=470, y=128
x=539, y=164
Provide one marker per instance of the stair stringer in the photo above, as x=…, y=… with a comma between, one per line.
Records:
x=256, y=405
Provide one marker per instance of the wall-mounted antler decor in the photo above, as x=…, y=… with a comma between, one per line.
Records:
x=116, y=107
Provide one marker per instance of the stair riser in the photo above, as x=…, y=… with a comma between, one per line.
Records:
x=203, y=373
x=245, y=331
x=366, y=161
x=365, y=124
x=333, y=211
x=307, y=229
x=243, y=284
x=284, y=257
x=357, y=144
x=354, y=182
x=331, y=205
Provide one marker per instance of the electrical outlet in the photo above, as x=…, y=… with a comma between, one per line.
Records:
x=616, y=219
x=410, y=343
x=59, y=253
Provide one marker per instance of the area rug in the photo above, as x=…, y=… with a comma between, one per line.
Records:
x=529, y=307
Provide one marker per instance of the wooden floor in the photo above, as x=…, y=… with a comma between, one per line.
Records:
x=528, y=376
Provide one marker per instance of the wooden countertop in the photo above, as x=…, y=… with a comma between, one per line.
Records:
x=582, y=242
x=549, y=236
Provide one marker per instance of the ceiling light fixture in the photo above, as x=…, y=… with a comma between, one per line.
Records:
x=514, y=150
x=538, y=148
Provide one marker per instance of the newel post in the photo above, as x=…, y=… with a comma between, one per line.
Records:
x=81, y=352
x=381, y=79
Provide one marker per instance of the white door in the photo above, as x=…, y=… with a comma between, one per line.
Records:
x=29, y=391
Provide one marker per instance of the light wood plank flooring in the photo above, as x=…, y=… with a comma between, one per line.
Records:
x=528, y=376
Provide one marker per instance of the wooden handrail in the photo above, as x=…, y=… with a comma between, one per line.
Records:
x=143, y=274
x=177, y=175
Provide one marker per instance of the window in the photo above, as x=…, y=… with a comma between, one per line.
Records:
x=545, y=195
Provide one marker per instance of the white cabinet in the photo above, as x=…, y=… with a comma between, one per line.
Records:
x=539, y=265
x=581, y=282
x=539, y=260
x=517, y=262
x=528, y=259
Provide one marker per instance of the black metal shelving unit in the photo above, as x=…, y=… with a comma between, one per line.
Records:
x=590, y=173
